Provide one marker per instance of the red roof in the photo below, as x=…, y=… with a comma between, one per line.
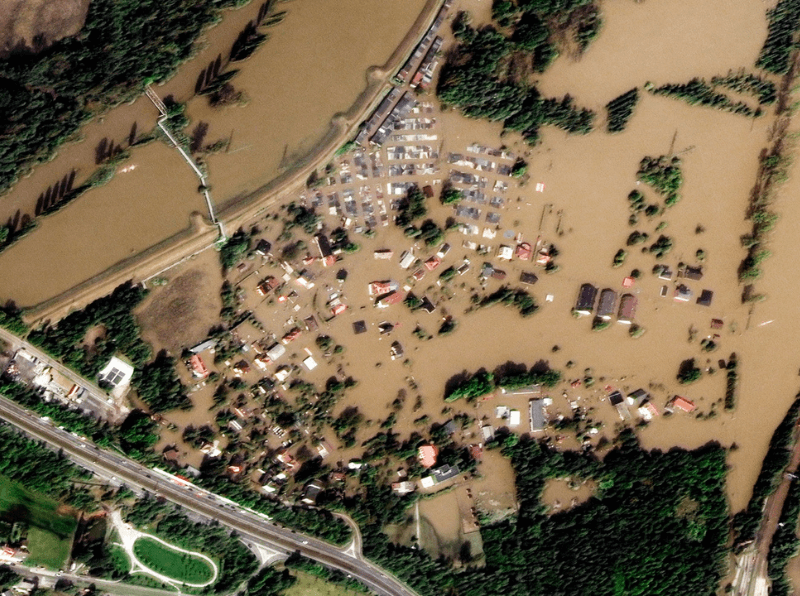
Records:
x=427, y=455
x=339, y=309
x=198, y=366
x=376, y=288
x=524, y=251
x=393, y=298
x=432, y=263
x=683, y=403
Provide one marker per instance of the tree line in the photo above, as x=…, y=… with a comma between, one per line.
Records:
x=746, y=522
x=123, y=46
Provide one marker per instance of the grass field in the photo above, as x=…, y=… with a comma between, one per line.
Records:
x=47, y=549
x=308, y=585
x=50, y=532
x=120, y=558
x=179, y=566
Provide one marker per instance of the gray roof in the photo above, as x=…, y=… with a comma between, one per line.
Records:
x=445, y=472
x=608, y=300
x=586, y=298
x=537, y=415
x=202, y=347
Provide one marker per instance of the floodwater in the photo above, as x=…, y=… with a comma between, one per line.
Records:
x=285, y=118
x=586, y=181
x=441, y=519
x=561, y=494
x=663, y=42
x=118, y=126
x=289, y=113
x=103, y=227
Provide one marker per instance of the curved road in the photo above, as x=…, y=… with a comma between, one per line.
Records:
x=250, y=526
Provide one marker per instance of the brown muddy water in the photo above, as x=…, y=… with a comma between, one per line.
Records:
x=562, y=494
x=296, y=84
x=102, y=227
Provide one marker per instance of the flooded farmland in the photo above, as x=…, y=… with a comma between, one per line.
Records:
x=103, y=227
x=283, y=120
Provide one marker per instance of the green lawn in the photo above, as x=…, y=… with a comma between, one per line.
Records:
x=166, y=561
x=47, y=549
x=308, y=585
x=49, y=533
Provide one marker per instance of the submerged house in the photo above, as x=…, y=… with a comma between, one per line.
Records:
x=627, y=309
x=608, y=301
x=586, y=299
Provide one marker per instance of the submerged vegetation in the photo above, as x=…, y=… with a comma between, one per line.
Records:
x=470, y=387
x=620, y=109
x=46, y=96
x=746, y=522
x=664, y=175
x=518, y=298
x=477, y=80
x=784, y=22
x=699, y=92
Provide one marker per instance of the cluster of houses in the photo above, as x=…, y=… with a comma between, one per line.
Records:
x=641, y=402
x=607, y=305
x=25, y=368
x=683, y=292
x=398, y=103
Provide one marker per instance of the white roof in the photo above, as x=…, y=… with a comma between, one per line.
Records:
x=514, y=418
x=117, y=372
x=310, y=363
x=428, y=482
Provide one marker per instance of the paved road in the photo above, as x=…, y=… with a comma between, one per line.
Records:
x=49, y=578
x=94, y=399
x=251, y=527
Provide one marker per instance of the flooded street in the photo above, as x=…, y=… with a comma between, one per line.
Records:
x=575, y=197
x=284, y=119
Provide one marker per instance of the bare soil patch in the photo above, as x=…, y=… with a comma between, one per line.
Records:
x=32, y=25
x=177, y=314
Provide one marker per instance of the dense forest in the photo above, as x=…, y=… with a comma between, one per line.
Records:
x=478, y=79
x=122, y=47
x=784, y=543
x=39, y=469
x=657, y=524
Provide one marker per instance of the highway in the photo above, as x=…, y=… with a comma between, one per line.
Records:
x=250, y=526
x=94, y=399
